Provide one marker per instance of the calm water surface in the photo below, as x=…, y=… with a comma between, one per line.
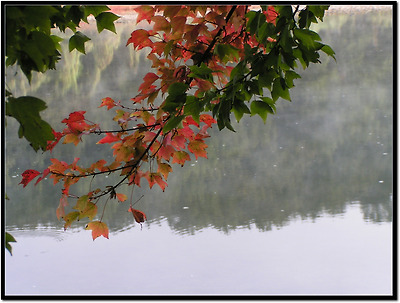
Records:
x=301, y=205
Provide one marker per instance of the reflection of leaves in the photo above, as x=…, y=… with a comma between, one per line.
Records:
x=26, y=110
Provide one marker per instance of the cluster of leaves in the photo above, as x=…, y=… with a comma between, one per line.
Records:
x=208, y=61
x=33, y=47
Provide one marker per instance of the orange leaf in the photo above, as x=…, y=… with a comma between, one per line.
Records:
x=72, y=138
x=121, y=197
x=98, y=229
x=164, y=169
x=197, y=147
x=110, y=103
x=28, y=176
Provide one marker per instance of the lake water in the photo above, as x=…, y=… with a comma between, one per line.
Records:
x=302, y=205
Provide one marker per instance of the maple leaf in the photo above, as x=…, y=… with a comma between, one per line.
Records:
x=180, y=157
x=161, y=24
x=178, y=24
x=98, y=229
x=71, y=217
x=139, y=38
x=154, y=178
x=81, y=203
x=197, y=147
x=121, y=197
x=74, y=117
x=44, y=174
x=28, y=176
x=271, y=15
x=202, y=133
x=178, y=142
x=53, y=143
x=207, y=119
x=138, y=215
x=110, y=103
x=109, y=138
x=89, y=211
x=147, y=81
x=60, y=211
x=164, y=169
x=145, y=12
x=72, y=138
x=165, y=152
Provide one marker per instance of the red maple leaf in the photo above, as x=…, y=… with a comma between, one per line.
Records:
x=28, y=176
x=110, y=103
x=271, y=15
x=207, y=119
x=109, y=138
x=44, y=174
x=147, y=81
x=74, y=117
x=139, y=38
x=52, y=144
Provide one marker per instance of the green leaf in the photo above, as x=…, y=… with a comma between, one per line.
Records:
x=177, y=88
x=95, y=10
x=193, y=107
x=279, y=91
x=105, y=20
x=286, y=40
x=329, y=51
x=9, y=238
x=307, y=37
x=239, y=109
x=318, y=10
x=226, y=52
x=172, y=123
x=176, y=96
x=290, y=76
x=77, y=42
x=271, y=104
x=202, y=72
x=260, y=108
x=26, y=110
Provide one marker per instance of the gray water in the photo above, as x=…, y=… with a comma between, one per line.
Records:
x=300, y=205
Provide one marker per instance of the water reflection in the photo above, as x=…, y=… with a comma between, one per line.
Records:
x=342, y=256
x=332, y=145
